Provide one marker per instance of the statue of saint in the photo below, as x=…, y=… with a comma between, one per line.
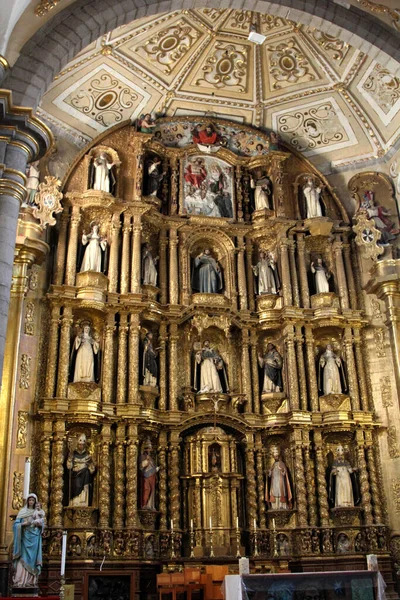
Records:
x=267, y=274
x=146, y=123
x=321, y=275
x=27, y=549
x=208, y=136
x=206, y=275
x=380, y=215
x=331, y=374
x=32, y=183
x=312, y=195
x=150, y=369
x=278, y=492
x=262, y=192
x=210, y=373
x=154, y=176
x=343, y=485
x=103, y=179
x=94, y=245
x=272, y=364
x=81, y=467
x=149, y=271
x=84, y=356
x=148, y=471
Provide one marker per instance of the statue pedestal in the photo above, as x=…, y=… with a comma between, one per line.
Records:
x=319, y=225
x=346, y=515
x=266, y=301
x=148, y=518
x=151, y=292
x=325, y=300
x=280, y=517
x=25, y=592
x=261, y=215
x=91, y=286
x=272, y=402
x=210, y=299
x=149, y=395
x=212, y=402
x=78, y=517
x=84, y=397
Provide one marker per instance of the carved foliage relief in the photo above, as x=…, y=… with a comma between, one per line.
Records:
x=382, y=90
x=225, y=67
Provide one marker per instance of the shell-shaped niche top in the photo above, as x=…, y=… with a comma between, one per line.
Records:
x=103, y=165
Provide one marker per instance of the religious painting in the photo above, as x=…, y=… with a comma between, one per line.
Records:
x=110, y=585
x=207, y=188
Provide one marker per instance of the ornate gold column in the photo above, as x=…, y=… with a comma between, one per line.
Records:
x=260, y=482
x=104, y=477
x=250, y=274
x=126, y=232
x=297, y=445
x=108, y=360
x=183, y=269
x=44, y=465
x=301, y=368
x=310, y=481
x=351, y=369
x=73, y=245
x=114, y=250
x=119, y=498
x=285, y=271
x=254, y=371
x=239, y=192
x=61, y=247
x=241, y=274
x=251, y=482
x=173, y=366
x=136, y=253
x=363, y=475
x=162, y=478
x=174, y=163
x=342, y=284
x=162, y=402
x=293, y=271
x=163, y=266
x=173, y=266
x=133, y=389
x=373, y=477
x=351, y=286
x=362, y=377
x=131, y=476
x=57, y=472
x=52, y=351
x=174, y=500
x=321, y=480
x=301, y=254
x=64, y=352
x=292, y=368
x=122, y=367
x=279, y=183
x=311, y=371
x=246, y=373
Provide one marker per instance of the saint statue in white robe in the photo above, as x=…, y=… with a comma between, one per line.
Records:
x=210, y=374
x=84, y=351
x=312, y=195
x=330, y=364
x=278, y=491
x=321, y=276
x=149, y=270
x=94, y=245
x=343, y=486
x=206, y=276
x=102, y=179
x=262, y=193
x=267, y=274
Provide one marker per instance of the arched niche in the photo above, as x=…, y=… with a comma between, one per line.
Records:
x=112, y=156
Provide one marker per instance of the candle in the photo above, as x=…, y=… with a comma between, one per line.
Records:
x=255, y=524
x=237, y=522
x=191, y=524
x=63, y=553
x=273, y=524
x=210, y=524
x=27, y=477
x=172, y=524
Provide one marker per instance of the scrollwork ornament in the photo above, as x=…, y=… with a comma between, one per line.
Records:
x=393, y=448
x=396, y=493
x=386, y=391
x=18, y=485
x=29, y=318
x=22, y=428
x=48, y=200
x=367, y=236
x=25, y=372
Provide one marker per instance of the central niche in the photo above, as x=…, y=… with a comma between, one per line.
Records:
x=208, y=187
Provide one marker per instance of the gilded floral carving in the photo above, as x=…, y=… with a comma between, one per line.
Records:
x=289, y=65
x=386, y=391
x=18, y=489
x=396, y=493
x=335, y=47
x=29, y=326
x=393, y=448
x=379, y=337
x=22, y=428
x=226, y=67
x=25, y=372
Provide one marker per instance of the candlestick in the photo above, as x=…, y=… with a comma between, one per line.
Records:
x=254, y=525
x=191, y=543
x=27, y=477
x=172, y=543
x=63, y=553
x=211, y=542
x=191, y=524
x=172, y=524
x=210, y=525
x=237, y=523
x=238, y=554
x=255, y=543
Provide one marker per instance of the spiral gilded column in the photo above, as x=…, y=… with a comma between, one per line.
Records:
x=119, y=486
x=162, y=478
x=292, y=368
x=173, y=266
x=57, y=475
x=122, y=370
x=301, y=368
x=373, y=478
x=114, y=251
x=44, y=465
x=104, y=477
x=285, y=270
x=293, y=271
x=173, y=366
x=73, y=246
x=174, y=499
x=136, y=253
x=251, y=493
x=351, y=369
x=61, y=248
x=250, y=274
x=311, y=370
x=260, y=482
x=108, y=360
x=51, y=371
x=133, y=385
x=301, y=254
x=163, y=266
x=131, y=477
x=241, y=274
x=254, y=372
x=363, y=478
x=162, y=338
x=125, y=258
x=311, y=491
x=321, y=480
x=301, y=497
x=246, y=372
x=64, y=352
x=362, y=377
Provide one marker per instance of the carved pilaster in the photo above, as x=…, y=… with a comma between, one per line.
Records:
x=131, y=477
x=122, y=373
x=292, y=368
x=44, y=465
x=119, y=489
x=64, y=352
x=162, y=402
x=174, y=162
x=254, y=372
x=163, y=267
x=173, y=368
x=341, y=276
x=362, y=377
x=108, y=361
x=174, y=500
x=104, y=477
x=299, y=478
x=311, y=371
x=162, y=478
x=293, y=271
x=246, y=375
x=351, y=369
x=133, y=389
x=61, y=248
x=183, y=269
x=239, y=193
x=301, y=368
x=241, y=274
x=285, y=270
x=250, y=274
x=321, y=480
x=301, y=254
x=57, y=472
x=349, y=276
x=52, y=351
x=114, y=250
x=363, y=475
x=173, y=266
x=279, y=187
x=126, y=232
x=251, y=495
x=72, y=246
x=136, y=254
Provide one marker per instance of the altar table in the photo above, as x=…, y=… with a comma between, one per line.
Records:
x=330, y=585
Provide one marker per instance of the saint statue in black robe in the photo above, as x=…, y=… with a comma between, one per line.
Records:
x=206, y=275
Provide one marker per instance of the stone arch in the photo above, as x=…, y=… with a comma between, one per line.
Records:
x=81, y=23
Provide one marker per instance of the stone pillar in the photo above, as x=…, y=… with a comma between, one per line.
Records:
x=246, y=373
x=363, y=476
x=61, y=248
x=133, y=390
x=52, y=352
x=162, y=402
x=131, y=477
x=301, y=254
x=321, y=480
x=72, y=254
x=251, y=495
x=351, y=369
x=292, y=379
x=136, y=254
x=341, y=276
x=173, y=267
x=57, y=473
x=103, y=474
x=285, y=271
x=297, y=445
x=241, y=274
x=362, y=377
x=349, y=276
x=174, y=498
x=64, y=352
x=293, y=272
x=126, y=232
x=108, y=360
x=254, y=372
x=311, y=371
x=119, y=489
x=162, y=478
x=122, y=367
x=163, y=266
x=301, y=368
x=173, y=366
x=114, y=251
x=250, y=274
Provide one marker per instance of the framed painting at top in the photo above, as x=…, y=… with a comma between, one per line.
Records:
x=109, y=585
x=207, y=187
